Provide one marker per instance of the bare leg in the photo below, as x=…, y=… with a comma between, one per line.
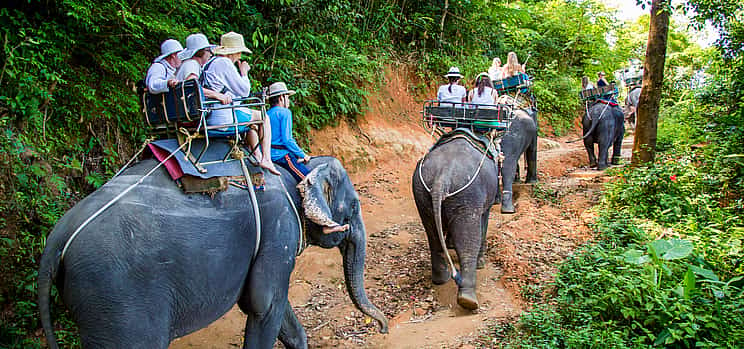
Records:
x=265, y=161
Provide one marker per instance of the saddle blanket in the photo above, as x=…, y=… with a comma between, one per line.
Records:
x=179, y=164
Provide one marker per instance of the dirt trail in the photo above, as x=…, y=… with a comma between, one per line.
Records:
x=523, y=248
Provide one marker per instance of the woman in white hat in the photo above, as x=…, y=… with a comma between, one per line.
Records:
x=452, y=92
x=162, y=72
x=221, y=76
x=198, y=52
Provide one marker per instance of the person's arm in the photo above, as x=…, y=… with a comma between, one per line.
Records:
x=156, y=79
x=239, y=86
x=286, y=138
x=223, y=98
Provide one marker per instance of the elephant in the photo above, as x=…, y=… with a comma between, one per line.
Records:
x=454, y=186
x=603, y=124
x=159, y=264
x=631, y=105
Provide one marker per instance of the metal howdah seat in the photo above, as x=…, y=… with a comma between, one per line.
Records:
x=520, y=82
x=481, y=118
x=604, y=92
x=182, y=113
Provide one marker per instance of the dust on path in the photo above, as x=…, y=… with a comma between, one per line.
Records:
x=523, y=248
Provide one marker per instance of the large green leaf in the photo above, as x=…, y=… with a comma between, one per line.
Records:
x=672, y=249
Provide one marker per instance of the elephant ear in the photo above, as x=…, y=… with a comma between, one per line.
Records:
x=317, y=196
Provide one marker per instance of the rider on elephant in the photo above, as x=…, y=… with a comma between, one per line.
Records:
x=162, y=72
x=284, y=149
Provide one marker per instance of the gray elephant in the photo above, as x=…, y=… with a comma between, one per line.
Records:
x=454, y=187
x=159, y=264
x=604, y=125
x=631, y=105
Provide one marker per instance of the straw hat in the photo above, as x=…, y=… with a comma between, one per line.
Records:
x=453, y=72
x=167, y=48
x=278, y=89
x=230, y=43
x=194, y=43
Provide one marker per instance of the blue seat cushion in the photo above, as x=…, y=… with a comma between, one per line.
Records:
x=228, y=132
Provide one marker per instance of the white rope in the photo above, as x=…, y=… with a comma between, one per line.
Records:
x=477, y=171
x=133, y=157
x=254, y=203
x=112, y=201
x=301, y=242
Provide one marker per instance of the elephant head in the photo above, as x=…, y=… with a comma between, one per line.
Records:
x=330, y=197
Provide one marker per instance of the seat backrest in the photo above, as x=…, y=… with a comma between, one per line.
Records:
x=182, y=103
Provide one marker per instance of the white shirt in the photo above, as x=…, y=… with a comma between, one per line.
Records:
x=589, y=86
x=188, y=67
x=158, y=76
x=222, y=75
x=495, y=73
x=487, y=97
x=457, y=95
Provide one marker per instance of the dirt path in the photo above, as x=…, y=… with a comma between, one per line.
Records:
x=523, y=248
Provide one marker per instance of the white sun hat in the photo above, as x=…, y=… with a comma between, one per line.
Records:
x=230, y=43
x=167, y=48
x=278, y=89
x=194, y=43
x=453, y=72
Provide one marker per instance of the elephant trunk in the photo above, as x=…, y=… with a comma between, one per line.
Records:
x=354, y=251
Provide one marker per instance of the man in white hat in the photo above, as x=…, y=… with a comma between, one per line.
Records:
x=197, y=54
x=162, y=72
x=221, y=76
x=284, y=149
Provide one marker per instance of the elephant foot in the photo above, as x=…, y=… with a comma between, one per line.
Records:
x=507, y=206
x=615, y=160
x=466, y=299
x=602, y=167
x=592, y=164
x=439, y=276
x=481, y=263
x=531, y=180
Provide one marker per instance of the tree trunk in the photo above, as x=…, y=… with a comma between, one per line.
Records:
x=644, y=143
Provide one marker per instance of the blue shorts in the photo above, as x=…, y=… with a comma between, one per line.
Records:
x=296, y=169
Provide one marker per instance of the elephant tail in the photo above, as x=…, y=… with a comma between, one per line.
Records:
x=48, y=270
x=437, y=197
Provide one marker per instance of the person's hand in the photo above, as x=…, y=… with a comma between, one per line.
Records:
x=305, y=159
x=224, y=98
x=172, y=82
x=244, y=68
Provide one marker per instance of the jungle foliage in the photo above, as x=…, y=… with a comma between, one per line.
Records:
x=69, y=117
x=667, y=267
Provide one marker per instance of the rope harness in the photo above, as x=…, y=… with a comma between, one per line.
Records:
x=116, y=198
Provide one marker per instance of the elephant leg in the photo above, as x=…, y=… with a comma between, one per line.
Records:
x=507, y=177
x=468, y=243
x=530, y=157
x=292, y=334
x=605, y=140
x=589, y=145
x=264, y=297
x=498, y=183
x=484, y=229
x=617, y=145
x=439, y=269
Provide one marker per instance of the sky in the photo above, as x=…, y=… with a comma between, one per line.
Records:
x=628, y=10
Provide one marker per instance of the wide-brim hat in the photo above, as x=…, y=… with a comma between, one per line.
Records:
x=230, y=43
x=279, y=89
x=167, y=48
x=453, y=72
x=194, y=43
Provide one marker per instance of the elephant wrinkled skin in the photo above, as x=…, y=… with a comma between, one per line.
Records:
x=458, y=208
x=604, y=125
x=160, y=264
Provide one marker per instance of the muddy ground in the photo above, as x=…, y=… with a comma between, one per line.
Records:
x=523, y=249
